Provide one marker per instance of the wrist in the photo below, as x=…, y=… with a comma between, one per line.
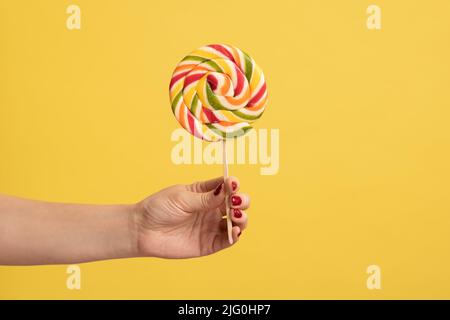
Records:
x=143, y=234
x=118, y=233
x=131, y=231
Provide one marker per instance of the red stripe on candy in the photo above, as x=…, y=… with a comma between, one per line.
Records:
x=191, y=123
x=258, y=96
x=212, y=81
x=240, y=82
x=210, y=115
x=222, y=50
x=192, y=78
x=176, y=78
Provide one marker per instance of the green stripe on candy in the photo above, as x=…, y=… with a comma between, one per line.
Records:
x=242, y=115
x=194, y=58
x=212, y=99
x=214, y=65
x=175, y=101
x=248, y=67
x=194, y=104
x=228, y=135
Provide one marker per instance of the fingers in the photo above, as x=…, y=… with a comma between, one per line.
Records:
x=194, y=202
x=237, y=200
x=236, y=232
x=240, y=201
x=205, y=186
x=232, y=184
x=206, y=195
x=223, y=242
x=239, y=218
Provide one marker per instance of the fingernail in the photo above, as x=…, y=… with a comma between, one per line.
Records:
x=236, y=200
x=218, y=189
x=234, y=185
x=237, y=213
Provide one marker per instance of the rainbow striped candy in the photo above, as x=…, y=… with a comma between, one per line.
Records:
x=217, y=91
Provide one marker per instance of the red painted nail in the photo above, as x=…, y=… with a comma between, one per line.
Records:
x=234, y=185
x=236, y=200
x=218, y=189
x=237, y=213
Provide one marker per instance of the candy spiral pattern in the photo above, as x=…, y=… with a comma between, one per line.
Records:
x=217, y=91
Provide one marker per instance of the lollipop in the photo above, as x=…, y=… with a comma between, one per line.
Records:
x=217, y=92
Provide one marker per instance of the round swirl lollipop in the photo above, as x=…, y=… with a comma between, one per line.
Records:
x=217, y=92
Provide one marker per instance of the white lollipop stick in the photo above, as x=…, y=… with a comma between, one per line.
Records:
x=227, y=199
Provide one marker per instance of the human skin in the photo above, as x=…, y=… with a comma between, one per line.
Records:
x=181, y=221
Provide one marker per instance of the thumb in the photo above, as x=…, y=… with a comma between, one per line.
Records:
x=205, y=200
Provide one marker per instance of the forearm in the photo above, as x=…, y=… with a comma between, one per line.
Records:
x=34, y=232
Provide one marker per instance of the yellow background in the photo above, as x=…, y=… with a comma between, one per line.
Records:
x=364, y=141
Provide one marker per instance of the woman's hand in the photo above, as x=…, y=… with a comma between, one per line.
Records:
x=185, y=221
x=177, y=222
